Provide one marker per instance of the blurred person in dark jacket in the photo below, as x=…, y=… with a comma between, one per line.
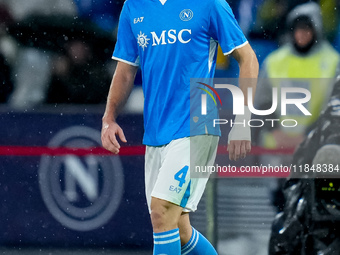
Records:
x=32, y=68
x=271, y=18
x=306, y=61
x=310, y=219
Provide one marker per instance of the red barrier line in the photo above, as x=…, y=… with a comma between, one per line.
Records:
x=62, y=151
x=124, y=151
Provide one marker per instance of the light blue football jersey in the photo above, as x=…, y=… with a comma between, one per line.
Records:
x=173, y=41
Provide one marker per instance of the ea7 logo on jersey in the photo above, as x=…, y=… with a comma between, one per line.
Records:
x=137, y=20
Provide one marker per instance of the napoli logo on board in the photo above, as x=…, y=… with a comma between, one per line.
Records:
x=81, y=192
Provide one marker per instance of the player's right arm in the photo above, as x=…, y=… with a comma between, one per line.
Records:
x=120, y=89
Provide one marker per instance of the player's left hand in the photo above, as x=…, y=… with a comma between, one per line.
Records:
x=238, y=149
x=239, y=138
x=110, y=130
x=239, y=142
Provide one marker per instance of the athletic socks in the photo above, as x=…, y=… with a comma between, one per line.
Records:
x=167, y=243
x=198, y=245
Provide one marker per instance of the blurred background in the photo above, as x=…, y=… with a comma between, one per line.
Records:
x=56, y=68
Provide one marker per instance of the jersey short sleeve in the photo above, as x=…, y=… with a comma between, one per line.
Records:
x=224, y=27
x=126, y=46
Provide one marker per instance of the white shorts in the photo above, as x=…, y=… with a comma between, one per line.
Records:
x=167, y=170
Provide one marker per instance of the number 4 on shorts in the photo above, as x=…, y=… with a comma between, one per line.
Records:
x=180, y=176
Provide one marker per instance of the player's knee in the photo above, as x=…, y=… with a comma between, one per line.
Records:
x=163, y=216
x=157, y=219
x=159, y=215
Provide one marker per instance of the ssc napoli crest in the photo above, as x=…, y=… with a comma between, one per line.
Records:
x=81, y=192
x=186, y=15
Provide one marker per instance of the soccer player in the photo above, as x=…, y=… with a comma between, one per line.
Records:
x=173, y=41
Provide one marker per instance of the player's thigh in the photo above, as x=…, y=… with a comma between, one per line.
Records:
x=203, y=153
x=174, y=182
x=173, y=179
x=152, y=166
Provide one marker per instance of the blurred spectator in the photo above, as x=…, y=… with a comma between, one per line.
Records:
x=58, y=51
x=31, y=76
x=271, y=18
x=78, y=77
x=306, y=55
x=73, y=56
x=22, y=9
x=32, y=69
x=7, y=55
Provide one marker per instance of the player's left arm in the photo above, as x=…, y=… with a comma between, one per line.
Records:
x=239, y=142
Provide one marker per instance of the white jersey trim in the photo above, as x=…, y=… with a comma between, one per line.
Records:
x=237, y=47
x=126, y=62
x=212, y=50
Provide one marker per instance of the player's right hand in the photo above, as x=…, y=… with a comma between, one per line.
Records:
x=110, y=130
